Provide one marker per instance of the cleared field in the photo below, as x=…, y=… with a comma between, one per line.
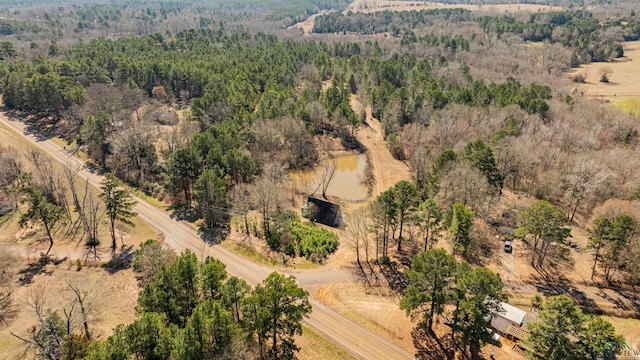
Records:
x=623, y=88
x=368, y=6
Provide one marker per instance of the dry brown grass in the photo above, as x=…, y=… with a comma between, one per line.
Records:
x=315, y=347
x=623, y=88
x=380, y=314
x=112, y=298
x=629, y=328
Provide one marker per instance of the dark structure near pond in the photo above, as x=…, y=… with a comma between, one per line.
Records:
x=322, y=211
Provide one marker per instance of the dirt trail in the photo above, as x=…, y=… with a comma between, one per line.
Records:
x=359, y=341
x=386, y=169
x=307, y=24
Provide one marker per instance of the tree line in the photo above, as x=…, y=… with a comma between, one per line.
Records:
x=394, y=22
x=187, y=310
x=576, y=29
x=406, y=215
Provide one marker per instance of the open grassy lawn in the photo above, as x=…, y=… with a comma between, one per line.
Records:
x=623, y=88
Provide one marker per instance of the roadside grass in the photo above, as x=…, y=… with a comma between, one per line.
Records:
x=9, y=137
x=308, y=265
x=71, y=145
x=150, y=199
x=533, y=44
x=317, y=347
x=142, y=230
x=250, y=254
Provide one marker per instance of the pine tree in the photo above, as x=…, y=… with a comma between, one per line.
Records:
x=118, y=203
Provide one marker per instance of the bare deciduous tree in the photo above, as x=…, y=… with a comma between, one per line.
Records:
x=81, y=294
x=149, y=258
x=358, y=230
x=10, y=170
x=266, y=194
x=466, y=184
x=240, y=201
x=323, y=178
x=94, y=212
x=48, y=180
x=48, y=337
x=585, y=180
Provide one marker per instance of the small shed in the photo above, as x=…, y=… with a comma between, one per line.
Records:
x=322, y=211
x=510, y=315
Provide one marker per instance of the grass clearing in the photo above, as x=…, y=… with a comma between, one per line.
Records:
x=308, y=265
x=314, y=346
x=60, y=141
x=378, y=313
x=623, y=88
x=630, y=105
x=629, y=328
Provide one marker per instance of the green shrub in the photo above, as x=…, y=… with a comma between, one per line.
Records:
x=313, y=241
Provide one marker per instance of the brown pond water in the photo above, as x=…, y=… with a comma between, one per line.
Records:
x=347, y=182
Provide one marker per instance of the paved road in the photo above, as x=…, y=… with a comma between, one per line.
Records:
x=357, y=340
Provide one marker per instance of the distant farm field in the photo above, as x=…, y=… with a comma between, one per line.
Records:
x=623, y=88
x=370, y=6
x=381, y=5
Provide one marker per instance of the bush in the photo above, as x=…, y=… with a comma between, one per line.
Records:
x=149, y=258
x=579, y=78
x=313, y=242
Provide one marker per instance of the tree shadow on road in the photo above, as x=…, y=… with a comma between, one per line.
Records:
x=431, y=347
x=186, y=213
x=215, y=236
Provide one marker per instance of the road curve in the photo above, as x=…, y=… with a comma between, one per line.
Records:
x=360, y=342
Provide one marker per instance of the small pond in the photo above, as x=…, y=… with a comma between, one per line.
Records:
x=347, y=182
